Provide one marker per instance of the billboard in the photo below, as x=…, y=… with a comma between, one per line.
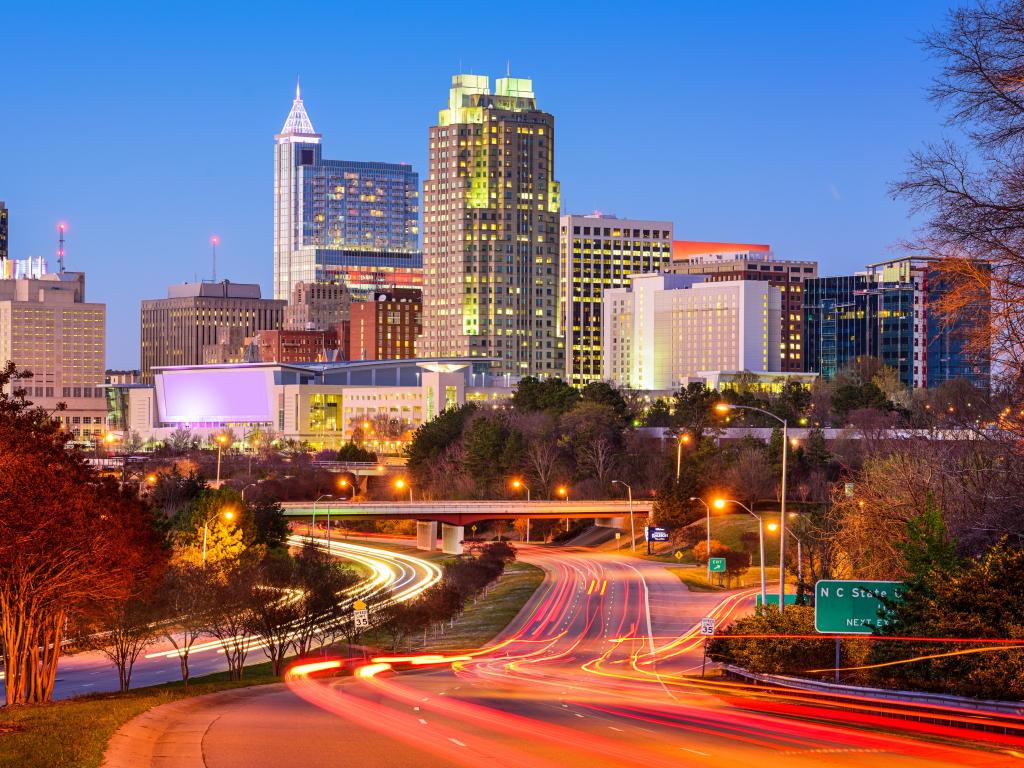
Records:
x=217, y=395
x=653, y=533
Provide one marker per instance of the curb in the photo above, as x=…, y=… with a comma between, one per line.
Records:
x=143, y=741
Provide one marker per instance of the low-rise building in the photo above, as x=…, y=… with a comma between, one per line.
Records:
x=299, y=346
x=386, y=327
x=325, y=404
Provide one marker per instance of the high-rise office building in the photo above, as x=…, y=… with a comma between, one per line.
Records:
x=48, y=328
x=664, y=331
x=599, y=252
x=340, y=221
x=887, y=312
x=4, y=224
x=386, y=327
x=204, y=323
x=490, y=231
x=753, y=261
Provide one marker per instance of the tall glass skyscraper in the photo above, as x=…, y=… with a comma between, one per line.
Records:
x=887, y=312
x=341, y=221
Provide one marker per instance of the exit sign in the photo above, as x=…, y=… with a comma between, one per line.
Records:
x=853, y=607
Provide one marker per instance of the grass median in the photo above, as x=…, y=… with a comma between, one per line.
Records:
x=487, y=616
x=74, y=733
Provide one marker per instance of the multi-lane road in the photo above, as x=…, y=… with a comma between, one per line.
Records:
x=595, y=671
x=403, y=576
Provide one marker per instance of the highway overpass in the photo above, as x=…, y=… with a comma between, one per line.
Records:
x=453, y=515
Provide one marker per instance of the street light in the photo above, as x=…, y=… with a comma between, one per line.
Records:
x=683, y=438
x=221, y=441
x=517, y=484
x=720, y=504
x=564, y=493
x=708, y=510
x=632, y=528
x=313, y=525
x=725, y=408
x=401, y=484
x=229, y=515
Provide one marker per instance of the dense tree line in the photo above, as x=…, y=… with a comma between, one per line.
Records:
x=463, y=579
x=551, y=435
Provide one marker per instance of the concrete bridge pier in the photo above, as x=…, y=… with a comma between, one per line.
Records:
x=426, y=535
x=451, y=539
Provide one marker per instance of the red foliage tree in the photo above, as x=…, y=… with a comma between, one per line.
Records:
x=70, y=542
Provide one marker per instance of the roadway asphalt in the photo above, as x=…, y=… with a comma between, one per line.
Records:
x=92, y=672
x=589, y=674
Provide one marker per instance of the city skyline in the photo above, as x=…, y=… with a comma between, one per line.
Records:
x=809, y=178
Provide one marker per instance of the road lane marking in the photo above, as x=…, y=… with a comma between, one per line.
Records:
x=612, y=727
x=695, y=751
x=423, y=721
x=456, y=741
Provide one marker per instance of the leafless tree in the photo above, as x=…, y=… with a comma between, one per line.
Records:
x=121, y=630
x=974, y=196
x=185, y=601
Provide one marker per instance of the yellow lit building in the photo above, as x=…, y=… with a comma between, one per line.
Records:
x=599, y=252
x=48, y=328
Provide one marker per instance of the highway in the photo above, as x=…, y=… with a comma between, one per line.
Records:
x=591, y=673
x=404, y=576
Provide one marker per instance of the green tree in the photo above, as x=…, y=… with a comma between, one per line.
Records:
x=492, y=451
x=433, y=438
x=352, y=452
x=782, y=656
x=982, y=600
x=853, y=397
x=533, y=394
x=604, y=393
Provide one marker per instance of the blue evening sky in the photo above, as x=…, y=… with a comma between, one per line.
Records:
x=149, y=126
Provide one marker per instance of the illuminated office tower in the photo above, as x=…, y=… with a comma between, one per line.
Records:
x=490, y=231
x=341, y=221
x=599, y=252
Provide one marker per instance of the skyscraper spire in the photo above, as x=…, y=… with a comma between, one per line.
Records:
x=298, y=122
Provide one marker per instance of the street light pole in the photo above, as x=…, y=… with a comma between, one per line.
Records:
x=228, y=515
x=517, y=484
x=632, y=528
x=683, y=438
x=720, y=504
x=723, y=407
x=708, y=510
x=312, y=527
x=220, y=440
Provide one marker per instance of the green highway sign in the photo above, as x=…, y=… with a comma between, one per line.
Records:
x=853, y=607
x=716, y=565
x=773, y=599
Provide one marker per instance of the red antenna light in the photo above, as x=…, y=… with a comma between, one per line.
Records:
x=213, y=242
x=61, y=226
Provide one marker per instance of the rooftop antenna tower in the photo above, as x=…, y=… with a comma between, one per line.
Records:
x=60, y=246
x=213, y=243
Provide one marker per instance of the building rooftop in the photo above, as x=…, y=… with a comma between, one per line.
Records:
x=224, y=289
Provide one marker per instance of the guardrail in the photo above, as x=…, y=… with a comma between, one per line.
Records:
x=919, y=699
